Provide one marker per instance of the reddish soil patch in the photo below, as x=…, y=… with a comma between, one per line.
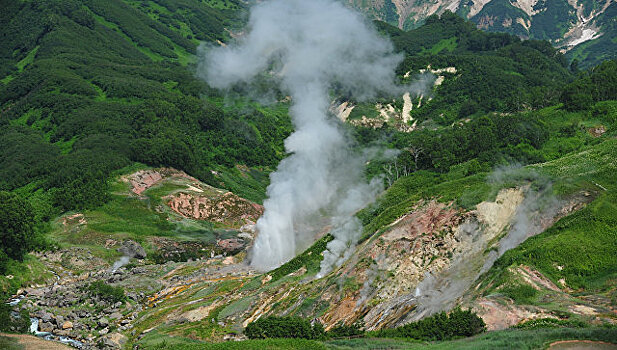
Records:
x=75, y=219
x=226, y=208
x=144, y=179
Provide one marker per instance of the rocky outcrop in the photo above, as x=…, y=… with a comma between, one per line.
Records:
x=132, y=249
x=424, y=262
x=142, y=180
x=580, y=19
x=226, y=208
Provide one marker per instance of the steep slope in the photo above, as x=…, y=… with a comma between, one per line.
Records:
x=138, y=242
x=429, y=259
x=473, y=71
x=584, y=27
x=150, y=256
x=96, y=85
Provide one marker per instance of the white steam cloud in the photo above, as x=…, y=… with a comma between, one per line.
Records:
x=124, y=260
x=310, y=47
x=539, y=209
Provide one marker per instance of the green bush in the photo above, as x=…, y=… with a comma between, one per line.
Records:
x=551, y=323
x=343, y=330
x=13, y=323
x=310, y=258
x=16, y=228
x=283, y=327
x=106, y=292
x=520, y=293
x=441, y=326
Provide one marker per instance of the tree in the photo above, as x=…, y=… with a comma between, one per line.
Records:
x=577, y=96
x=16, y=227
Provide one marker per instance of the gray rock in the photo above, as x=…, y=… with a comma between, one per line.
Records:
x=114, y=340
x=59, y=321
x=132, y=249
x=115, y=315
x=46, y=327
x=103, y=322
x=104, y=331
x=46, y=316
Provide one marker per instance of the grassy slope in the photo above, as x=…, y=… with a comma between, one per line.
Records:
x=580, y=161
x=508, y=339
x=581, y=247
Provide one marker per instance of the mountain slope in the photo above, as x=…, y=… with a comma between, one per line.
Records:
x=569, y=25
x=97, y=84
x=99, y=104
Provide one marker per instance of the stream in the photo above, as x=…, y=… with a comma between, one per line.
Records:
x=34, y=329
x=34, y=322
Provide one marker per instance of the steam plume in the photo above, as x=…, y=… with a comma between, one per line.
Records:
x=311, y=47
x=120, y=262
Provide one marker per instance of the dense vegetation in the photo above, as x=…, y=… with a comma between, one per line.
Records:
x=18, y=233
x=494, y=71
x=106, y=292
x=441, y=326
x=89, y=87
x=102, y=86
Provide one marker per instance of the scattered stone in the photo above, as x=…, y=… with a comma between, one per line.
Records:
x=67, y=325
x=104, y=331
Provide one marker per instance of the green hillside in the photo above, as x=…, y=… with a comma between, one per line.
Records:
x=109, y=138
x=95, y=85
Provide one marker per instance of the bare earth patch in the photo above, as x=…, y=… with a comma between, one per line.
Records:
x=30, y=342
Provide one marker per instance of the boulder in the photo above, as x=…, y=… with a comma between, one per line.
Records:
x=114, y=340
x=46, y=327
x=103, y=322
x=45, y=316
x=132, y=249
x=67, y=325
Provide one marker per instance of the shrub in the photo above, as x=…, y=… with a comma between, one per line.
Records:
x=13, y=323
x=551, y=323
x=283, y=327
x=343, y=330
x=106, y=292
x=522, y=293
x=16, y=228
x=441, y=326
